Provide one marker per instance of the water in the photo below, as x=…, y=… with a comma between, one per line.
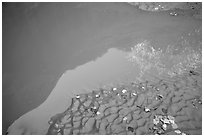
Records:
x=42, y=45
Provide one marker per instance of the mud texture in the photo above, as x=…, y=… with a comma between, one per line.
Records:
x=162, y=6
x=174, y=8
x=165, y=106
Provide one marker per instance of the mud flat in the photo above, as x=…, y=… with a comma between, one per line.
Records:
x=116, y=68
x=176, y=64
x=73, y=82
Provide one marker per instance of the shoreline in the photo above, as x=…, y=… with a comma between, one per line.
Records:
x=94, y=29
x=74, y=82
x=89, y=103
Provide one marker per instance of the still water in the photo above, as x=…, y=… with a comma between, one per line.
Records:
x=52, y=52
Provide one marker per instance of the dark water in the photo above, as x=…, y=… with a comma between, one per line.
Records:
x=42, y=41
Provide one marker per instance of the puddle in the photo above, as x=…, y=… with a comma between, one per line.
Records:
x=111, y=69
x=165, y=39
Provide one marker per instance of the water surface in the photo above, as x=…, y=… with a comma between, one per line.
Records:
x=39, y=45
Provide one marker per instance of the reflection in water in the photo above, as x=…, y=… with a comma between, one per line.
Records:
x=113, y=68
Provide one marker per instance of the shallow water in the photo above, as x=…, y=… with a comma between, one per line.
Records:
x=69, y=36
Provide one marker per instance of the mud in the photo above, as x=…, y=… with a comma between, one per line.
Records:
x=159, y=119
x=158, y=64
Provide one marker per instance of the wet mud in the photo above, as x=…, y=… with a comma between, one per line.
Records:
x=138, y=110
x=147, y=81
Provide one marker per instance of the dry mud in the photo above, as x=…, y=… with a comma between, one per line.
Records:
x=144, y=89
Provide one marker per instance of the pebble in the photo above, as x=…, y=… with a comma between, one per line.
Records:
x=134, y=94
x=156, y=121
x=77, y=96
x=147, y=109
x=50, y=122
x=124, y=91
x=56, y=125
x=171, y=118
x=178, y=131
x=166, y=121
x=174, y=126
x=159, y=97
x=125, y=118
x=164, y=126
x=130, y=129
x=173, y=13
x=97, y=95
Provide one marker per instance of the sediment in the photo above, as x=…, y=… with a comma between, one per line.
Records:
x=163, y=107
